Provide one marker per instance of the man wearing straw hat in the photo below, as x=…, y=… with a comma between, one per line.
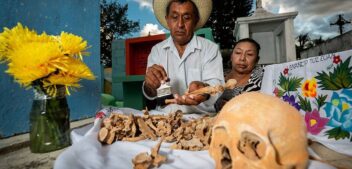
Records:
x=188, y=61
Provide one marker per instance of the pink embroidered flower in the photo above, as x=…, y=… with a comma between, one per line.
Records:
x=309, y=88
x=276, y=92
x=285, y=71
x=337, y=59
x=100, y=115
x=314, y=122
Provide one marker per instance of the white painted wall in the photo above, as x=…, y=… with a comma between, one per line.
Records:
x=267, y=45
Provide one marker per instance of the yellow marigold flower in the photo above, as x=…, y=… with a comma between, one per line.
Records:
x=45, y=60
x=3, y=47
x=74, y=70
x=32, y=61
x=61, y=79
x=50, y=84
x=43, y=38
x=78, y=69
x=10, y=39
x=73, y=45
x=309, y=88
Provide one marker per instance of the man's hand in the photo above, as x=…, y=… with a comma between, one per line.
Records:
x=191, y=99
x=155, y=75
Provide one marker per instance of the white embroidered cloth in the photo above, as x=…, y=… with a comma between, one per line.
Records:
x=321, y=89
x=87, y=152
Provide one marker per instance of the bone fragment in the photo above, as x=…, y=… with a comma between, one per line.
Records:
x=230, y=84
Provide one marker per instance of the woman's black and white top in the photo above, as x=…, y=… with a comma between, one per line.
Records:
x=254, y=84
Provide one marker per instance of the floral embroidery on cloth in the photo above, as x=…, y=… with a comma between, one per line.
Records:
x=321, y=89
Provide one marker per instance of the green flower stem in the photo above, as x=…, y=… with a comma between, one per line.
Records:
x=33, y=135
x=41, y=139
x=53, y=124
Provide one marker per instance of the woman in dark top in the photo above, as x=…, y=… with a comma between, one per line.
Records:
x=244, y=60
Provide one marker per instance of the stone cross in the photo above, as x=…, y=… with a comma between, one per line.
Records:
x=259, y=4
x=341, y=22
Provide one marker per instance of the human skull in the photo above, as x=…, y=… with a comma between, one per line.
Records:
x=257, y=131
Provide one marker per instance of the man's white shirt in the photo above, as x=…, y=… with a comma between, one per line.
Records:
x=201, y=61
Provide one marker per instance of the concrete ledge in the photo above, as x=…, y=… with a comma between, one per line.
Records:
x=15, y=143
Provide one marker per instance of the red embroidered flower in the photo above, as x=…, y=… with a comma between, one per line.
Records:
x=100, y=115
x=285, y=71
x=309, y=88
x=276, y=92
x=337, y=59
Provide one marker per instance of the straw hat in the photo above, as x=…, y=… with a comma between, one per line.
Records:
x=204, y=8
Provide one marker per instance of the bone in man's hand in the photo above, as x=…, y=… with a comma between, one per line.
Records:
x=230, y=84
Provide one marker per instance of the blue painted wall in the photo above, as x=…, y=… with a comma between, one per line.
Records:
x=80, y=17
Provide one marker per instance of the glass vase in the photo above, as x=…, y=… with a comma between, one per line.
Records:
x=49, y=122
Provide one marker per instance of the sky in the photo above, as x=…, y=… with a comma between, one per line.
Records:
x=314, y=16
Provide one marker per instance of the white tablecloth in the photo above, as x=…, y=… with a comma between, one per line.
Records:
x=87, y=152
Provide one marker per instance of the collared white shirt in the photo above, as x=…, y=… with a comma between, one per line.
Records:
x=201, y=61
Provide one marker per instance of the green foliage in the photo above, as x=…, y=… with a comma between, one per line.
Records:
x=289, y=84
x=280, y=93
x=113, y=24
x=321, y=100
x=223, y=17
x=305, y=104
x=303, y=40
x=339, y=78
x=283, y=82
x=337, y=133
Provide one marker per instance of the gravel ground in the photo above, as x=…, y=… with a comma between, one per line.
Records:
x=15, y=153
x=24, y=159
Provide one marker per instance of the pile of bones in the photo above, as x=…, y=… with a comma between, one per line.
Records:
x=187, y=135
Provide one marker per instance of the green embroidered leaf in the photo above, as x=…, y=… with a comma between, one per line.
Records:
x=283, y=82
x=337, y=133
x=339, y=78
x=294, y=83
x=321, y=100
x=288, y=84
x=280, y=93
x=305, y=104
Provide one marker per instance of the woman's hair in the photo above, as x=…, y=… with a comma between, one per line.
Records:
x=250, y=40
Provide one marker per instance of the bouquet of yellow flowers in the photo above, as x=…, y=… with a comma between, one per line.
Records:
x=50, y=64
x=42, y=60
